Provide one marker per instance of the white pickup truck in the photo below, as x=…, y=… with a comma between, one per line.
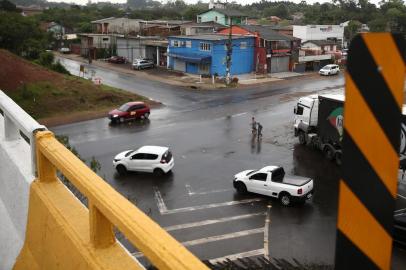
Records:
x=271, y=181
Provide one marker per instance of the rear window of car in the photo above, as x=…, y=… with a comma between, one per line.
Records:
x=150, y=156
x=167, y=156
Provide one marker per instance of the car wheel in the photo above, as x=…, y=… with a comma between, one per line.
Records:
x=241, y=188
x=146, y=115
x=302, y=138
x=285, y=199
x=121, y=169
x=158, y=172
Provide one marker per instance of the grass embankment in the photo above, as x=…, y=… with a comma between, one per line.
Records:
x=53, y=98
x=69, y=100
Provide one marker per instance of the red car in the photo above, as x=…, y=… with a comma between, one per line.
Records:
x=130, y=111
x=117, y=60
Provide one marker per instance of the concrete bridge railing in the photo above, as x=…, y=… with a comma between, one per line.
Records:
x=60, y=232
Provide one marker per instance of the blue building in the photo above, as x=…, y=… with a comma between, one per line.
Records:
x=206, y=54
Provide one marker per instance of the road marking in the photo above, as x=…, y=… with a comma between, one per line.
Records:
x=210, y=221
x=222, y=237
x=190, y=191
x=236, y=256
x=213, y=239
x=164, y=210
x=403, y=197
x=159, y=200
x=266, y=231
x=399, y=210
x=238, y=114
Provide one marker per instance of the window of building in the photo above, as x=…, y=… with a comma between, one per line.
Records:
x=105, y=39
x=199, y=19
x=175, y=43
x=205, y=46
x=189, y=44
x=243, y=45
x=215, y=18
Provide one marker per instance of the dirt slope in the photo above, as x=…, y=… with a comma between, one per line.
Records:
x=53, y=98
x=14, y=71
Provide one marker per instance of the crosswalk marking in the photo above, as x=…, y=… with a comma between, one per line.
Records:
x=165, y=211
x=236, y=256
x=191, y=192
x=214, y=238
x=210, y=221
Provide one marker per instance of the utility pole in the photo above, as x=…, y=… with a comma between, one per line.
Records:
x=229, y=52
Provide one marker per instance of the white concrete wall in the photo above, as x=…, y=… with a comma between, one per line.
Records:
x=15, y=179
x=318, y=32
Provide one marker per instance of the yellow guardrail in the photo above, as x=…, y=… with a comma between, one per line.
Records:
x=107, y=209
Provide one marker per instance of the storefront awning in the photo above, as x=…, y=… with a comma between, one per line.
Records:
x=191, y=58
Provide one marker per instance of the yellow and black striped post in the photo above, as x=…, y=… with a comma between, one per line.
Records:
x=368, y=186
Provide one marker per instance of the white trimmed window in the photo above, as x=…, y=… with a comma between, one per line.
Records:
x=175, y=43
x=205, y=46
x=243, y=45
x=188, y=44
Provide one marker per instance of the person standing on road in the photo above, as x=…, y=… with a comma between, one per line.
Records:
x=253, y=125
x=259, y=130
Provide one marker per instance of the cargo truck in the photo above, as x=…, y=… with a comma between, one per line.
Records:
x=319, y=123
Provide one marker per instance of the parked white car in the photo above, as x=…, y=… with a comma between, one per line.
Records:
x=156, y=159
x=271, y=181
x=329, y=70
x=142, y=64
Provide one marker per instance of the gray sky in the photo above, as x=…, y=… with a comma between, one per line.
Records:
x=244, y=2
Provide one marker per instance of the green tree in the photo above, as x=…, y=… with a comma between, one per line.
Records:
x=8, y=6
x=351, y=30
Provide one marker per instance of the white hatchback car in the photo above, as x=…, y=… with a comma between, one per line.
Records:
x=156, y=159
x=329, y=70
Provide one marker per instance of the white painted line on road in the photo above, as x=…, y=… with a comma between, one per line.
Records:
x=210, y=221
x=160, y=202
x=238, y=114
x=222, y=237
x=190, y=191
x=236, y=256
x=399, y=210
x=208, y=206
x=403, y=197
x=164, y=210
x=213, y=239
x=266, y=231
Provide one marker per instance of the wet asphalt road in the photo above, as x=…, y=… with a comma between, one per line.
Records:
x=209, y=134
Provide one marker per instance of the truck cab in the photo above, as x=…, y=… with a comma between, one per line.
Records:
x=305, y=115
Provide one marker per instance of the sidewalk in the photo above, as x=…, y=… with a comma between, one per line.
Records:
x=176, y=78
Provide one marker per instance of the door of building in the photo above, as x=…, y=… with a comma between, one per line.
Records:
x=279, y=64
x=179, y=65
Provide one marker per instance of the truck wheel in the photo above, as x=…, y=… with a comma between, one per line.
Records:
x=241, y=188
x=328, y=153
x=121, y=169
x=285, y=199
x=302, y=138
x=338, y=159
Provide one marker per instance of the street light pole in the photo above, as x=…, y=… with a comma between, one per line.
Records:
x=229, y=52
